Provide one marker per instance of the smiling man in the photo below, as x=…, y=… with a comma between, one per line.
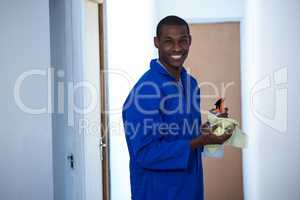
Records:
x=162, y=122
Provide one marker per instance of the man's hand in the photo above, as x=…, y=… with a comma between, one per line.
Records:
x=207, y=136
x=214, y=139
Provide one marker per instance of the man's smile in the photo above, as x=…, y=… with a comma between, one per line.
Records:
x=177, y=57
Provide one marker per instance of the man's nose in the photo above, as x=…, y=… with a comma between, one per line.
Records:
x=177, y=46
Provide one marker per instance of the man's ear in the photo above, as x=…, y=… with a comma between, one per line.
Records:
x=156, y=42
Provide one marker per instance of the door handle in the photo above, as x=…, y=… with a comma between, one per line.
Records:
x=70, y=158
x=101, y=146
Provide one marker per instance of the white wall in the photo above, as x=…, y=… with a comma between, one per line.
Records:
x=129, y=50
x=25, y=139
x=272, y=160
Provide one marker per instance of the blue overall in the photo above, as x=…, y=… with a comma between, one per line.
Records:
x=160, y=118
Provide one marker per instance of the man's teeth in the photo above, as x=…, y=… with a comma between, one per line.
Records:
x=176, y=56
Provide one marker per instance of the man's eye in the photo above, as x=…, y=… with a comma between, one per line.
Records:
x=184, y=41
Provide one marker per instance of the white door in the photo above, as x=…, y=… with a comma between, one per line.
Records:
x=67, y=167
x=214, y=59
x=75, y=58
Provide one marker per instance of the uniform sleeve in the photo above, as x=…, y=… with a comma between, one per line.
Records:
x=142, y=121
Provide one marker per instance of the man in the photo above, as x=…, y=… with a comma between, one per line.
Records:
x=162, y=123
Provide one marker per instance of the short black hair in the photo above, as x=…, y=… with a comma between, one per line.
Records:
x=171, y=20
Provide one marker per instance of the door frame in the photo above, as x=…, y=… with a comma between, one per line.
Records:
x=213, y=20
x=104, y=101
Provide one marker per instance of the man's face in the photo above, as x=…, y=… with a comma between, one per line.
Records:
x=173, y=45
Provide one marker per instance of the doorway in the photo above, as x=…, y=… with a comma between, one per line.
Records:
x=95, y=73
x=214, y=60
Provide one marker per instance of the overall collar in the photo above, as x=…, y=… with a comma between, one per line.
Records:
x=162, y=70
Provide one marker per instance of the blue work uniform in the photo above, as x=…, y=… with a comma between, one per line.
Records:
x=160, y=118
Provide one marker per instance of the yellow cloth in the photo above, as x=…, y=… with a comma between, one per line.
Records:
x=238, y=138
